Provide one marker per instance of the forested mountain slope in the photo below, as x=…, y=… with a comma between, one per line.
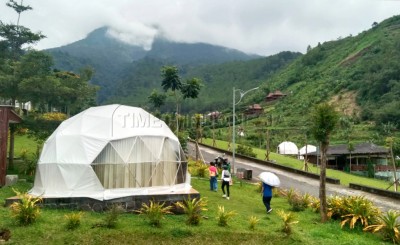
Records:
x=361, y=74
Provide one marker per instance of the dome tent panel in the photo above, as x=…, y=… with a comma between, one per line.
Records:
x=49, y=151
x=142, y=152
x=287, y=148
x=109, y=155
x=306, y=149
x=84, y=179
x=50, y=181
x=124, y=147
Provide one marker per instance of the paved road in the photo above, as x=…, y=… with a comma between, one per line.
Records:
x=301, y=183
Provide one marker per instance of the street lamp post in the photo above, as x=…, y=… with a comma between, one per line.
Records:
x=234, y=103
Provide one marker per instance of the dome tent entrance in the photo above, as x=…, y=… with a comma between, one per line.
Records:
x=110, y=152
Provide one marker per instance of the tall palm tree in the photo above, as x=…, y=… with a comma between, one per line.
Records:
x=324, y=119
x=172, y=81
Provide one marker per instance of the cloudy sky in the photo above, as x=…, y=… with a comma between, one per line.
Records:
x=263, y=27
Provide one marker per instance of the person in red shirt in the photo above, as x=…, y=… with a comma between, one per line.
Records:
x=213, y=172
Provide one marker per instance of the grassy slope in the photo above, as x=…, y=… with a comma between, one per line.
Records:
x=134, y=229
x=345, y=178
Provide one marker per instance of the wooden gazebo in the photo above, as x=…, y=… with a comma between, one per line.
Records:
x=7, y=116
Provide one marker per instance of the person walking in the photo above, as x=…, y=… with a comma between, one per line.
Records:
x=226, y=178
x=213, y=173
x=267, y=196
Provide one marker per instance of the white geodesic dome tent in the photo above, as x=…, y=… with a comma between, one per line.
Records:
x=306, y=149
x=109, y=152
x=287, y=148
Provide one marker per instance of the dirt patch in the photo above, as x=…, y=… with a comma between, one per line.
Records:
x=345, y=102
x=353, y=57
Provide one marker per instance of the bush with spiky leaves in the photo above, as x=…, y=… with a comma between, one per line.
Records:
x=25, y=211
x=288, y=220
x=155, y=212
x=253, y=221
x=223, y=217
x=388, y=225
x=359, y=211
x=336, y=207
x=314, y=204
x=198, y=168
x=193, y=208
x=73, y=220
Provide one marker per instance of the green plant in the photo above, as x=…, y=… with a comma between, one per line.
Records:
x=193, y=208
x=223, y=217
x=359, y=210
x=73, y=220
x=246, y=151
x=288, y=220
x=258, y=187
x=336, y=207
x=253, y=221
x=26, y=210
x=155, y=212
x=388, y=225
x=112, y=214
x=315, y=204
x=296, y=201
x=201, y=169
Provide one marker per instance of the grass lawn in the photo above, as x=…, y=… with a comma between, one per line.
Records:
x=135, y=229
x=345, y=178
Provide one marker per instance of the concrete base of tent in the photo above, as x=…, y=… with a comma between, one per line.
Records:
x=129, y=203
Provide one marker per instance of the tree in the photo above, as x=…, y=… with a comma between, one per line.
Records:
x=172, y=81
x=323, y=121
x=157, y=99
x=12, y=38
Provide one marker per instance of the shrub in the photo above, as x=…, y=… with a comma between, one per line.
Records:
x=155, y=212
x=202, y=170
x=26, y=211
x=198, y=168
x=246, y=151
x=73, y=220
x=388, y=226
x=296, y=201
x=288, y=220
x=112, y=214
x=223, y=217
x=258, y=187
x=193, y=208
x=54, y=116
x=359, y=210
x=253, y=221
x=336, y=208
x=315, y=204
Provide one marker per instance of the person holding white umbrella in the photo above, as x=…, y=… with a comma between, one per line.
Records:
x=269, y=181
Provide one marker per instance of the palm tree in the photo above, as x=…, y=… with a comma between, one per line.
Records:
x=172, y=81
x=323, y=121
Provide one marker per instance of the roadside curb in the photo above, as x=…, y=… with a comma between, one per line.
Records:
x=381, y=192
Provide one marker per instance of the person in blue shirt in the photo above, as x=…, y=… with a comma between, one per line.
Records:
x=267, y=196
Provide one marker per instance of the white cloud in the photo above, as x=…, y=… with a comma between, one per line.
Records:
x=256, y=26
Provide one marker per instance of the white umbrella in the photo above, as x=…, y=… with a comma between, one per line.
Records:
x=270, y=179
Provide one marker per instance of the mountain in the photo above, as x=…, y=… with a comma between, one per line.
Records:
x=112, y=58
x=359, y=74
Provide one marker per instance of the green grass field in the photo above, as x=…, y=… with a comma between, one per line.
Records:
x=135, y=229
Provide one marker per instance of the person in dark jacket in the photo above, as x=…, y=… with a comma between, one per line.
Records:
x=267, y=196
